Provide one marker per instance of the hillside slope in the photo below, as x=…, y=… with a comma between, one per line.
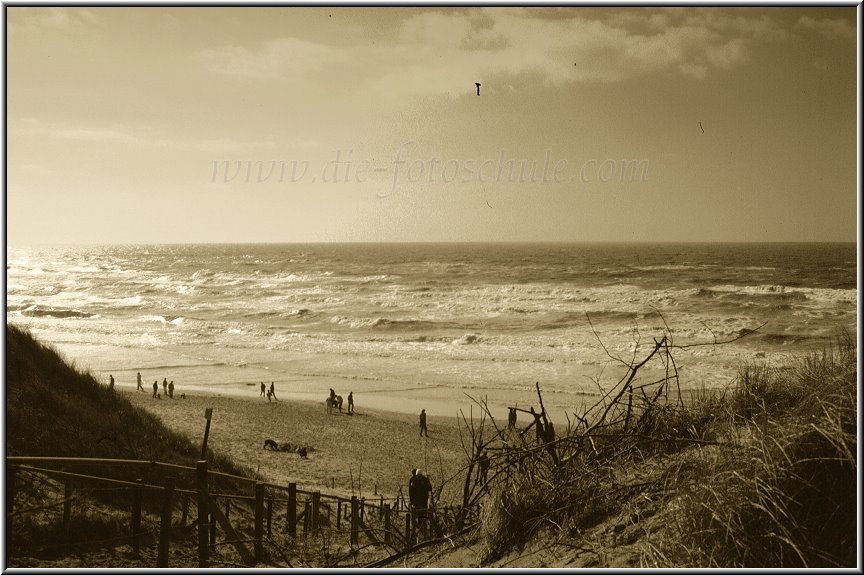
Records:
x=54, y=409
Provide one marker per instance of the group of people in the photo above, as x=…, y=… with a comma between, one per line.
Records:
x=334, y=400
x=167, y=387
x=270, y=393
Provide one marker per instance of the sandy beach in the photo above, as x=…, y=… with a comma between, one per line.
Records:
x=377, y=449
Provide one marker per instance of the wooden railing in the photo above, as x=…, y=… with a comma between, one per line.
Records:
x=383, y=522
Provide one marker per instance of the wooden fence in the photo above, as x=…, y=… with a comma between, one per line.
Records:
x=248, y=513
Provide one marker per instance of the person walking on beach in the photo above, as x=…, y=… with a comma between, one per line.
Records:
x=155, y=387
x=171, y=389
x=140, y=386
x=350, y=402
x=110, y=382
x=423, y=429
x=273, y=389
x=165, y=386
x=263, y=390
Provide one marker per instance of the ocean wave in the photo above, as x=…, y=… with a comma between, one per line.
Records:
x=674, y=267
x=84, y=269
x=393, y=324
x=827, y=295
x=467, y=339
x=38, y=311
x=174, y=320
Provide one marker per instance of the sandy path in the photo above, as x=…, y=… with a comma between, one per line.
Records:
x=387, y=444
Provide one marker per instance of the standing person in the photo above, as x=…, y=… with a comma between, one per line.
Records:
x=511, y=418
x=165, y=386
x=263, y=390
x=273, y=390
x=140, y=386
x=419, y=489
x=111, y=382
x=155, y=387
x=482, y=468
x=350, y=402
x=423, y=423
x=414, y=497
x=171, y=389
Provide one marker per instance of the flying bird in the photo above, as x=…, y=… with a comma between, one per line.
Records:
x=478, y=87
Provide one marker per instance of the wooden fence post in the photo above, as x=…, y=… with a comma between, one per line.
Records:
x=269, y=517
x=259, y=522
x=67, y=502
x=185, y=517
x=165, y=523
x=212, y=519
x=11, y=476
x=381, y=508
x=292, y=508
x=316, y=510
x=408, y=530
x=355, y=522
x=338, y=514
x=201, y=481
x=306, y=514
x=136, y=517
x=386, y=524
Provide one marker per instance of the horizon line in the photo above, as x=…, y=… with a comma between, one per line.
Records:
x=429, y=242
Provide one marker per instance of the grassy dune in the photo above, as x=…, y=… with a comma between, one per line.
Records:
x=763, y=475
x=55, y=409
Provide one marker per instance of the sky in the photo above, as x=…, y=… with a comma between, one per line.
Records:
x=286, y=124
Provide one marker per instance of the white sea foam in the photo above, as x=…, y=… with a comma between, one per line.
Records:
x=485, y=322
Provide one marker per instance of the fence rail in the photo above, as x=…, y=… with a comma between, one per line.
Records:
x=258, y=513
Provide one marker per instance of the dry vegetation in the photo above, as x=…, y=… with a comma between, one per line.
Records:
x=763, y=475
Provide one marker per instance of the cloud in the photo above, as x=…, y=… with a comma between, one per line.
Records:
x=434, y=52
x=98, y=136
x=829, y=28
x=120, y=135
x=446, y=53
x=51, y=20
x=275, y=58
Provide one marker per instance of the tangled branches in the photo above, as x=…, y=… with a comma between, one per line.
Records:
x=524, y=480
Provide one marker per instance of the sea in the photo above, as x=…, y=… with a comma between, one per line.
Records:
x=442, y=327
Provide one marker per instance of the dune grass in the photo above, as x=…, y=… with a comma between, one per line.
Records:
x=763, y=475
x=56, y=410
x=786, y=495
